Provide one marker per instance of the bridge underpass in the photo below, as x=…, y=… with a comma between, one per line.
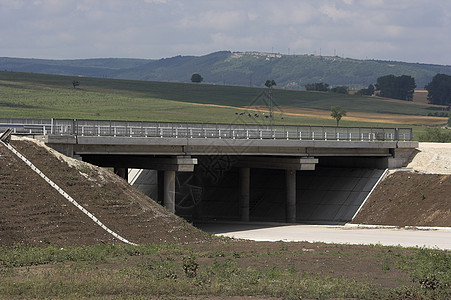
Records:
x=241, y=172
x=327, y=195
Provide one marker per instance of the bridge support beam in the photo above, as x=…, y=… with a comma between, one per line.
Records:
x=290, y=176
x=244, y=193
x=169, y=190
x=121, y=172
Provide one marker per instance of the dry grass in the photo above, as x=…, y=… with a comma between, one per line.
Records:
x=420, y=97
x=362, y=116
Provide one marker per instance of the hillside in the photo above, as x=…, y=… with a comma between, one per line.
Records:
x=33, y=213
x=235, y=68
x=53, y=96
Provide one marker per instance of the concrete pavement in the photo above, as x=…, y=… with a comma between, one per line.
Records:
x=440, y=239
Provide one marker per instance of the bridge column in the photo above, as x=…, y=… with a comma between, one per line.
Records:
x=121, y=172
x=244, y=193
x=290, y=176
x=160, y=188
x=169, y=190
x=197, y=214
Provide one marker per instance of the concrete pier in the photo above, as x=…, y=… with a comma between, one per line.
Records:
x=121, y=172
x=244, y=193
x=169, y=190
x=290, y=177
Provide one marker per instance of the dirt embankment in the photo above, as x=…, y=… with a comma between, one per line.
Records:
x=419, y=197
x=32, y=212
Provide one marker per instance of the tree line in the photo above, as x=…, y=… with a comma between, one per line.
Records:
x=397, y=87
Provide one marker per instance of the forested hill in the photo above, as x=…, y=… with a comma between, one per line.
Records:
x=236, y=68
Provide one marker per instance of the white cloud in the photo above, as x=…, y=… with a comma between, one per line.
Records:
x=413, y=30
x=336, y=14
x=224, y=20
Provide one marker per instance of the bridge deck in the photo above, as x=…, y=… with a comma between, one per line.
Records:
x=200, y=130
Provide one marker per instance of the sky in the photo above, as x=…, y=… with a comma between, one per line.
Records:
x=399, y=30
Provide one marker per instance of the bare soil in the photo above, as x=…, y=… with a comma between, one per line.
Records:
x=417, y=196
x=33, y=213
x=409, y=199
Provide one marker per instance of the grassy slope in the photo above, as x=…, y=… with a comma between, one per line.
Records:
x=51, y=96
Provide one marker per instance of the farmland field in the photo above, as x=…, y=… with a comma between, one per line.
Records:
x=30, y=95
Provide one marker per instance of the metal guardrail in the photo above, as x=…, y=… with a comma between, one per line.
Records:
x=201, y=130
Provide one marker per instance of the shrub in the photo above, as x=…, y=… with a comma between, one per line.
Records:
x=434, y=134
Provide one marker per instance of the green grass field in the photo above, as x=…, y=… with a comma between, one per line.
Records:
x=181, y=272
x=28, y=95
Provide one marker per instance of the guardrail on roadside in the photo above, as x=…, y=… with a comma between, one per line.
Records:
x=201, y=130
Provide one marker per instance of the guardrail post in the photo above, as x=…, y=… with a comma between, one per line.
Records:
x=396, y=138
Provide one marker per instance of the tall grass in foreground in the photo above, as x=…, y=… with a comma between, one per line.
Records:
x=123, y=271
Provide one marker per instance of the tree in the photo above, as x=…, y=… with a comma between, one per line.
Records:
x=196, y=78
x=340, y=90
x=396, y=87
x=370, y=90
x=75, y=83
x=367, y=92
x=319, y=86
x=270, y=83
x=439, y=90
x=337, y=113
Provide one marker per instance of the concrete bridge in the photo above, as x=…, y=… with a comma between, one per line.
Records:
x=207, y=162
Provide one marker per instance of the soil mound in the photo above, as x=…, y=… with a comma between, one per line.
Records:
x=409, y=199
x=33, y=213
x=419, y=197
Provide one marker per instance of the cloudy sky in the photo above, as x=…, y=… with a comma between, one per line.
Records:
x=403, y=30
